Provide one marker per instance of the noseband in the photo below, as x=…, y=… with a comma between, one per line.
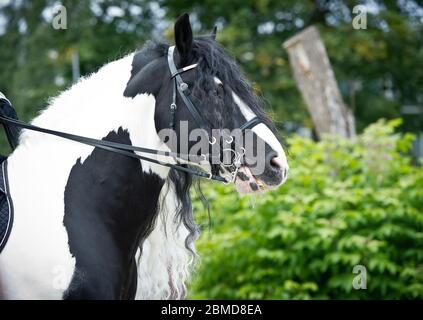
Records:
x=130, y=151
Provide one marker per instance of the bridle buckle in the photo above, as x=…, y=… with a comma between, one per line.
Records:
x=183, y=86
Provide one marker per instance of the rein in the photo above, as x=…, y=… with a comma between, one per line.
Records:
x=120, y=148
x=128, y=150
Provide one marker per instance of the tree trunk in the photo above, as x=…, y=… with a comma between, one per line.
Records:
x=317, y=84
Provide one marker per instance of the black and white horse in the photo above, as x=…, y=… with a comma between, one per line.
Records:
x=95, y=224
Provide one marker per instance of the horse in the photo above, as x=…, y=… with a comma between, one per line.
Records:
x=96, y=220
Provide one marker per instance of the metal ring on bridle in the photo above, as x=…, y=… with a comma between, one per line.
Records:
x=235, y=154
x=183, y=86
x=232, y=140
x=237, y=163
x=233, y=177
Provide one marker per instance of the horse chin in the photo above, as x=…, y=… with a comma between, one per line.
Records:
x=247, y=183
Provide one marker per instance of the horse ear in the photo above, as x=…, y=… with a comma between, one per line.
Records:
x=183, y=37
x=214, y=32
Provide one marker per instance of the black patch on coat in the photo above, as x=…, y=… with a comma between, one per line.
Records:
x=110, y=206
x=253, y=186
x=242, y=176
x=148, y=68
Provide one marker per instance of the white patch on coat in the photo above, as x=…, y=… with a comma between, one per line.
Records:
x=36, y=262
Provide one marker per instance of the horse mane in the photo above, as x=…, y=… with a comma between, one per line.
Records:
x=213, y=61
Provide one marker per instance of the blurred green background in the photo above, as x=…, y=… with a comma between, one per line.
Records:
x=346, y=203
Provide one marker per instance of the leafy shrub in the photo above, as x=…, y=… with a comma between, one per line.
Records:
x=346, y=203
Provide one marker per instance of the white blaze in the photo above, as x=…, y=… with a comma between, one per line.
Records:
x=261, y=130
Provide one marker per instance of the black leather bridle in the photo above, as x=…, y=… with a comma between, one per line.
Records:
x=183, y=89
x=128, y=150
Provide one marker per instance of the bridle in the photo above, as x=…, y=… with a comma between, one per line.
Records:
x=183, y=89
x=128, y=150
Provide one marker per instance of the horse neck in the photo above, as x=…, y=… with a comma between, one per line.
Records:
x=104, y=192
x=95, y=106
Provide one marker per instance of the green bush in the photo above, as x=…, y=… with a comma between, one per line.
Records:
x=346, y=203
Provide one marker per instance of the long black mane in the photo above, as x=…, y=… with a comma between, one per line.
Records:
x=215, y=61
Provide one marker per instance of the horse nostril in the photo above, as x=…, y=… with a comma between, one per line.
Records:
x=277, y=163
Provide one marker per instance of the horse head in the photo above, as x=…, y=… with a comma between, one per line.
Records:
x=211, y=109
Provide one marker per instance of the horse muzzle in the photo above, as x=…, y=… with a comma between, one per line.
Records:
x=274, y=175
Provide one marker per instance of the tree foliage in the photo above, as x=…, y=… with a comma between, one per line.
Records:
x=35, y=58
x=345, y=204
x=379, y=69
x=376, y=67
